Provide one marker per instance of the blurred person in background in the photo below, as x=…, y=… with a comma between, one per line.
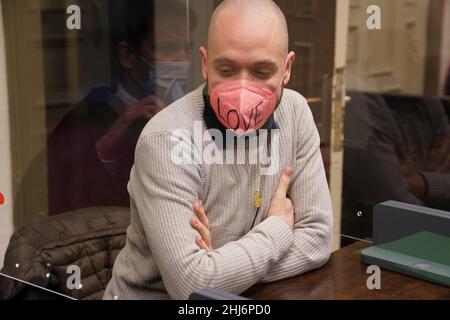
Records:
x=91, y=151
x=396, y=148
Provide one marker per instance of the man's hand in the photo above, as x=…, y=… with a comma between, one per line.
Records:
x=280, y=205
x=416, y=181
x=438, y=161
x=201, y=224
x=145, y=108
x=439, y=154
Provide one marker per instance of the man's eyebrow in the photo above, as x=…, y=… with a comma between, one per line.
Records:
x=222, y=60
x=263, y=63
x=266, y=63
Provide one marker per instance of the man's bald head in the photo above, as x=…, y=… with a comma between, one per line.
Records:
x=250, y=15
x=248, y=39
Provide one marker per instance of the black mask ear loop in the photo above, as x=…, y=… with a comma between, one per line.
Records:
x=207, y=79
x=205, y=89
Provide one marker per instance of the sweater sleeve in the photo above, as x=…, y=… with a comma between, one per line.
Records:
x=163, y=193
x=309, y=193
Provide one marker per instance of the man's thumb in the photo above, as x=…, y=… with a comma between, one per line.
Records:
x=285, y=180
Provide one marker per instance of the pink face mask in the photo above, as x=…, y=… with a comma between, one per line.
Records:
x=242, y=105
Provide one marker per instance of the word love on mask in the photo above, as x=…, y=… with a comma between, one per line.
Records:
x=236, y=120
x=242, y=105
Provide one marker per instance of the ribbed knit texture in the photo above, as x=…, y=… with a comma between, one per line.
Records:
x=161, y=259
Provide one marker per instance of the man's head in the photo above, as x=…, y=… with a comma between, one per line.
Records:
x=247, y=40
x=155, y=31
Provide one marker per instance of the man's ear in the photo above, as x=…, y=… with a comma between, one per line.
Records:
x=204, y=57
x=127, y=59
x=289, y=64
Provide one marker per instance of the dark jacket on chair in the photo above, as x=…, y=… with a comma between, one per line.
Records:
x=41, y=253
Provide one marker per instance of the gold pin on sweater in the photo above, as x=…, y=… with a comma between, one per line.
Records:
x=257, y=199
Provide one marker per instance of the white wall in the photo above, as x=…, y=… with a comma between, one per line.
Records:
x=6, y=210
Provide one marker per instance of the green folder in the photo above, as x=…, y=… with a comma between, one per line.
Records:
x=423, y=255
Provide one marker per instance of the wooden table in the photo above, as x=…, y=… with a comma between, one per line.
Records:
x=345, y=277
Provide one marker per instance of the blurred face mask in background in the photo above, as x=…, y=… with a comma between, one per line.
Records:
x=166, y=77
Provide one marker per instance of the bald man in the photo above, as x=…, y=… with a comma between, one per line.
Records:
x=228, y=225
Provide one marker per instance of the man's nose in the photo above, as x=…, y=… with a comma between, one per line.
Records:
x=244, y=75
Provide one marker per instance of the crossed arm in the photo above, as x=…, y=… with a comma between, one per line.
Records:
x=311, y=209
x=164, y=194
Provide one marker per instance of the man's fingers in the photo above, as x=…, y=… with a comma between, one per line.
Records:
x=152, y=99
x=201, y=225
x=439, y=149
x=402, y=155
x=154, y=102
x=438, y=153
x=200, y=212
x=285, y=180
x=199, y=241
x=149, y=115
x=404, y=159
x=202, y=230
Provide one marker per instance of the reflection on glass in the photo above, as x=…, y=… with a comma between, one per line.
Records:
x=91, y=151
x=396, y=149
x=93, y=127
x=397, y=134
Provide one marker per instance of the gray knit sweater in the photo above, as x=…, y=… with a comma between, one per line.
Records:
x=161, y=259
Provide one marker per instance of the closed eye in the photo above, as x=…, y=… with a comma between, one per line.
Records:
x=262, y=74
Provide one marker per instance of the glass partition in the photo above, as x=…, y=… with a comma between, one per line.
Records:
x=84, y=78
x=397, y=121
